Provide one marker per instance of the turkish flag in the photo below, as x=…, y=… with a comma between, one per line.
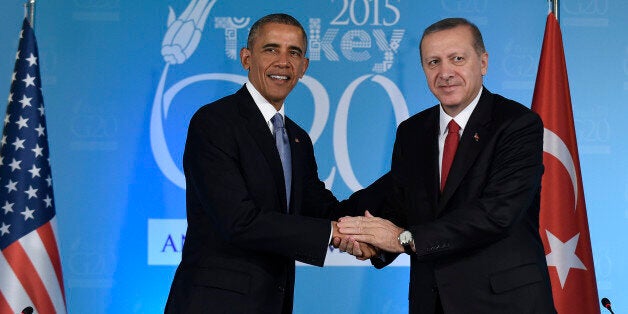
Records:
x=563, y=220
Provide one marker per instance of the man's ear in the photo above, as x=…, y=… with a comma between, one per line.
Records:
x=245, y=58
x=306, y=63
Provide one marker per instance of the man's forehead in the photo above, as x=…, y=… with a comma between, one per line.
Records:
x=435, y=40
x=268, y=30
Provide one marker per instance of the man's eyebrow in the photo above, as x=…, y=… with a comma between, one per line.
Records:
x=297, y=48
x=274, y=45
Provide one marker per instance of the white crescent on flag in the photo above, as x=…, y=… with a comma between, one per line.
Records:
x=554, y=145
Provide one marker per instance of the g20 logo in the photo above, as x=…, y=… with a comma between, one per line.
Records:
x=181, y=40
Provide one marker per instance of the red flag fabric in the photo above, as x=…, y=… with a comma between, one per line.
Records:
x=30, y=267
x=563, y=221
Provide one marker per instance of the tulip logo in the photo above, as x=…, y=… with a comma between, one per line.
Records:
x=178, y=45
x=184, y=33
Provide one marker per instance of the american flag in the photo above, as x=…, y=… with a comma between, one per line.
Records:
x=30, y=267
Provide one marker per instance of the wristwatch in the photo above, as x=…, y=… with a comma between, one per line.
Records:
x=405, y=239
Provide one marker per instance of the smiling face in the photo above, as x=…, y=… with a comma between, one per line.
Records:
x=453, y=68
x=275, y=61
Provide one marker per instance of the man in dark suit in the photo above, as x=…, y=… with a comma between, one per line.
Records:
x=471, y=230
x=255, y=203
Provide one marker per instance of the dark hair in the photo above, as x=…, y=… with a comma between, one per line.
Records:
x=452, y=22
x=280, y=18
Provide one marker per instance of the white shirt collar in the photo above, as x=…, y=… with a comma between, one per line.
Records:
x=265, y=107
x=461, y=119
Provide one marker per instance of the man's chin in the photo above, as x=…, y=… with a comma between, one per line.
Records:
x=281, y=93
x=450, y=103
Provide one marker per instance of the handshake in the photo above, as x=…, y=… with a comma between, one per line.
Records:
x=366, y=236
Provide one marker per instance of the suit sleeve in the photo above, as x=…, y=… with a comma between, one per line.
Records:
x=317, y=200
x=500, y=199
x=221, y=181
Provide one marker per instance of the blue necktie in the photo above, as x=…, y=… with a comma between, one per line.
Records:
x=283, y=146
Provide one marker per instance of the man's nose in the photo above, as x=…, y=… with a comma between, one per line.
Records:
x=446, y=71
x=283, y=59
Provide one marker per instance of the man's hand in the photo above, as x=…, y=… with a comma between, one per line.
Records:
x=345, y=243
x=376, y=231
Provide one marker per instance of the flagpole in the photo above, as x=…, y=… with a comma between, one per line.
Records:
x=554, y=7
x=30, y=7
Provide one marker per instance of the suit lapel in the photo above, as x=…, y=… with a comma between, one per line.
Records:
x=297, y=164
x=428, y=141
x=474, y=137
x=259, y=131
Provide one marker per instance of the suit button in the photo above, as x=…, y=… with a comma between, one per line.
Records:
x=435, y=289
x=281, y=289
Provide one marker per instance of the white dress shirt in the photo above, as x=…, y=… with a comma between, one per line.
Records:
x=268, y=111
x=461, y=119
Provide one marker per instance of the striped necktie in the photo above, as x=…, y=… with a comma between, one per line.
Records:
x=283, y=146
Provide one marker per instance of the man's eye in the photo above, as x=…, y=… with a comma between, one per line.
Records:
x=458, y=59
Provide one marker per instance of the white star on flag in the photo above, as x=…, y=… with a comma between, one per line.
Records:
x=19, y=143
x=12, y=186
x=26, y=101
x=22, y=122
x=563, y=256
x=38, y=150
x=32, y=60
x=40, y=130
x=29, y=80
x=34, y=171
x=28, y=213
x=48, y=201
x=8, y=207
x=15, y=164
x=4, y=229
x=31, y=192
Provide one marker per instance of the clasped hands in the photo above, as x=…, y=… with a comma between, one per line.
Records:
x=366, y=236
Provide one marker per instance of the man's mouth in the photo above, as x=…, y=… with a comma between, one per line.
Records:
x=447, y=85
x=279, y=77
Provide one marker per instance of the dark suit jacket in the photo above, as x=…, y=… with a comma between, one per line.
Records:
x=477, y=243
x=241, y=243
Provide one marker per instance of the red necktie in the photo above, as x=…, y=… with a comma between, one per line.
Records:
x=451, y=144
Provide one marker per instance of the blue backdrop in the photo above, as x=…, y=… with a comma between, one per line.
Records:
x=119, y=97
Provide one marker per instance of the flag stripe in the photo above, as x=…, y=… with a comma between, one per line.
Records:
x=43, y=265
x=47, y=235
x=27, y=275
x=13, y=293
x=4, y=305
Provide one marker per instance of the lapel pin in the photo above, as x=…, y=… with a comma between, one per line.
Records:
x=476, y=137
x=296, y=140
